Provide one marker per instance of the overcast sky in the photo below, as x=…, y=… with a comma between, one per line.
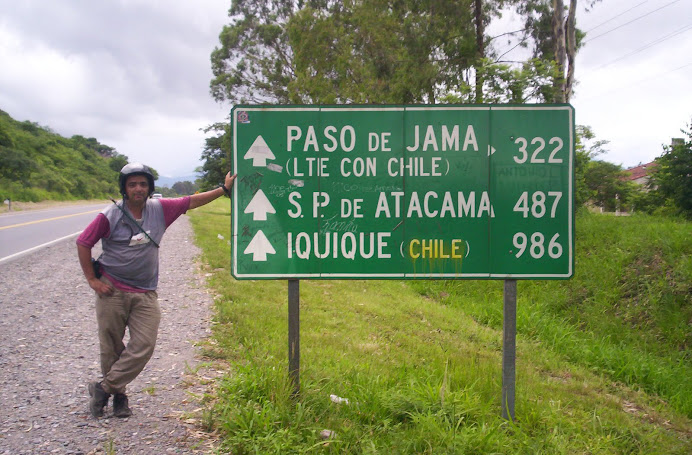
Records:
x=135, y=74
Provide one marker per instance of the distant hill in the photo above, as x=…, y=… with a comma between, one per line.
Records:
x=170, y=181
x=37, y=164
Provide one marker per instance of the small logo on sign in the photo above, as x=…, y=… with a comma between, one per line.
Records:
x=243, y=117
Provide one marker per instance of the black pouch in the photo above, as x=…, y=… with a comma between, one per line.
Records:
x=97, y=267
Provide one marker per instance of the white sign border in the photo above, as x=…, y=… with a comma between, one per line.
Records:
x=570, y=211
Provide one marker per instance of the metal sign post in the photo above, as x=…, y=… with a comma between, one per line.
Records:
x=509, y=348
x=294, y=334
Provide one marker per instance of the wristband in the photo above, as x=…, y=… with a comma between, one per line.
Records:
x=225, y=190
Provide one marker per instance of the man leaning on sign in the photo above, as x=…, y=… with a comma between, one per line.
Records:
x=126, y=278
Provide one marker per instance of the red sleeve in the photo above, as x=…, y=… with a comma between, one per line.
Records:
x=173, y=208
x=97, y=229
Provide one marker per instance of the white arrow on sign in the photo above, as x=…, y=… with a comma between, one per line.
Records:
x=259, y=152
x=259, y=247
x=259, y=206
x=491, y=150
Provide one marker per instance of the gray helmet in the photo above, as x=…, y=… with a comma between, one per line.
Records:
x=135, y=169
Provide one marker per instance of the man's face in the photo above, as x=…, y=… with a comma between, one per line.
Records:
x=137, y=188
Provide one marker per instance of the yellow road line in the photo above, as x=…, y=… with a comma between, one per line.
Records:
x=47, y=219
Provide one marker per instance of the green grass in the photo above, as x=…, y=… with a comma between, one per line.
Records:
x=626, y=313
x=420, y=362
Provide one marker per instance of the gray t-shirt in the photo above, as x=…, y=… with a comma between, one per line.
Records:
x=128, y=255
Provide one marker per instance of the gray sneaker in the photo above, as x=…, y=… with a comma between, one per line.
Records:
x=120, y=406
x=99, y=399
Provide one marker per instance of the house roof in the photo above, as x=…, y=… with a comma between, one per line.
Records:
x=640, y=171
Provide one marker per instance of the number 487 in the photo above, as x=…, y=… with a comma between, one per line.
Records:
x=538, y=203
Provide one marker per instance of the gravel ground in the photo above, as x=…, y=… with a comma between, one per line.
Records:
x=49, y=352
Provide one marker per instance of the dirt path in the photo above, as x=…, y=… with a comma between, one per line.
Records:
x=49, y=352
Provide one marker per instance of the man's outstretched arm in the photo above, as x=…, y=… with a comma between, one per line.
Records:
x=198, y=200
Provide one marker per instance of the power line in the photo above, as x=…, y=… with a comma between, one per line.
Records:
x=622, y=87
x=633, y=20
x=615, y=17
x=510, y=50
x=651, y=44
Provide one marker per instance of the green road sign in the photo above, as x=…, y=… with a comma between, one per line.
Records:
x=403, y=192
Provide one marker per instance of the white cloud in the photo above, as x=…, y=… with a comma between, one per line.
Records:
x=135, y=73
x=132, y=73
x=633, y=91
x=633, y=81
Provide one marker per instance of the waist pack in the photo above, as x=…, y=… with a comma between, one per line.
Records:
x=97, y=267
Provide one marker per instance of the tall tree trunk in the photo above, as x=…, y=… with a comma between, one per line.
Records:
x=560, y=51
x=480, y=47
x=571, y=39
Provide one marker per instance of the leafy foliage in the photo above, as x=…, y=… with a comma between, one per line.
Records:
x=91, y=143
x=402, y=52
x=586, y=149
x=607, y=185
x=215, y=156
x=117, y=162
x=379, y=51
x=372, y=51
x=184, y=188
x=554, y=38
x=254, y=63
x=672, y=178
x=364, y=52
x=37, y=164
x=15, y=165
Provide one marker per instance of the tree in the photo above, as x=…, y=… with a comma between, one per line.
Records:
x=367, y=51
x=184, y=188
x=16, y=165
x=673, y=175
x=599, y=182
x=586, y=149
x=154, y=172
x=117, y=162
x=93, y=144
x=165, y=191
x=385, y=51
x=556, y=38
x=254, y=63
x=532, y=81
x=607, y=185
x=5, y=138
x=215, y=156
x=480, y=45
x=364, y=52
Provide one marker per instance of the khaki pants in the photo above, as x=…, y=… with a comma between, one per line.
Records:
x=140, y=313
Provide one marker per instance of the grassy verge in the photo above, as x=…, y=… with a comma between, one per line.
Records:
x=626, y=313
x=420, y=375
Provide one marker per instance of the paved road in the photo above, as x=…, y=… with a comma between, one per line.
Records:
x=49, y=352
x=24, y=232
